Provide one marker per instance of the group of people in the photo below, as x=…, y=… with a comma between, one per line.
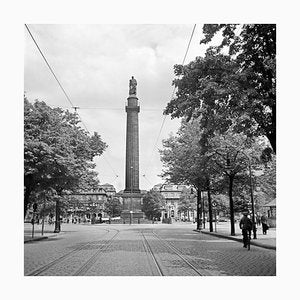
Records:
x=246, y=225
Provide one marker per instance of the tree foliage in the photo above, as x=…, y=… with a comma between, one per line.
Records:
x=153, y=203
x=235, y=90
x=113, y=207
x=58, y=153
x=182, y=157
x=220, y=166
x=187, y=201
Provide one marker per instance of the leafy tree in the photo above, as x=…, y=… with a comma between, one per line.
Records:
x=235, y=90
x=181, y=156
x=233, y=154
x=187, y=202
x=113, y=207
x=58, y=154
x=185, y=162
x=153, y=202
x=222, y=203
x=266, y=184
x=220, y=166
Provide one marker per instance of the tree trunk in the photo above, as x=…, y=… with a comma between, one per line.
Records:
x=271, y=133
x=57, y=217
x=26, y=200
x=231, y=204
x=210, y=215
x=29, y=186
x=203, y=212
x=272, y=139
x=199, y=225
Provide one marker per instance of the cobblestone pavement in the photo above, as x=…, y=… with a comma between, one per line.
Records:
x=143, y=250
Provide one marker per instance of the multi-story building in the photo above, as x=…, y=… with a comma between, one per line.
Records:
x=172, y=194
x=109, y=189
x=90, y=206
x=82, y=206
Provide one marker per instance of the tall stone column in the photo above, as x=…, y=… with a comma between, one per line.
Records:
x=132, y=196
x=132, y=146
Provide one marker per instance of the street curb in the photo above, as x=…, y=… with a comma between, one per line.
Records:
x=236, y=239
x=61, y=233
x=36, y=239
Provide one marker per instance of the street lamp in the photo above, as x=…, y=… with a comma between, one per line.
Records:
x=251, y=194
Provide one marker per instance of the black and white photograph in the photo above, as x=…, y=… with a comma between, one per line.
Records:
x=150, y=150
x=144, y=151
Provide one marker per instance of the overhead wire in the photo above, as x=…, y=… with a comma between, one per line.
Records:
x=104, y=108
x=54, y=75
x=165, y=116
x=62, y=88
x=144, y=176
x=76, y=107
x=46, y=61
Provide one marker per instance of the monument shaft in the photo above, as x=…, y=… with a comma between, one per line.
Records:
x=132, y=196
x=132, y=146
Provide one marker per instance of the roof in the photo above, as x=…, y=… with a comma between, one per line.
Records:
x=271, y=203
x=106, y=184
x=169, y=187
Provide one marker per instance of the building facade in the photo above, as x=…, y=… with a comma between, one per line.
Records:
x=172, y=194
x=90, y=206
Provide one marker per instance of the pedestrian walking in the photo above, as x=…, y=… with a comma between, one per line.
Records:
x=258, y=219
x=264, y=223
x=246, y=226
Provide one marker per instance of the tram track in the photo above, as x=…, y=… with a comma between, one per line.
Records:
x=171, y=249
x=60, y=259
x=148, y=249
x=90, y=262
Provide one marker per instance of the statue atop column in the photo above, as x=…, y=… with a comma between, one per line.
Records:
x=132, y=86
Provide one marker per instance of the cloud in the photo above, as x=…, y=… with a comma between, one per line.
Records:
x=94, y=64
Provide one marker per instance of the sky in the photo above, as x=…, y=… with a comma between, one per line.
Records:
x=94, y=64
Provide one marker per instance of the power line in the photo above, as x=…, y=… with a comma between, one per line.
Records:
x=60, y=85
x=110, y=166
x=75, y=108
x=116, y=108
x=165, y=116
x=51, y=70
x=188, y=47
x=147, y=179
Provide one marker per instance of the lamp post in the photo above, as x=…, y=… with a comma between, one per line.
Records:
x=251, y=194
